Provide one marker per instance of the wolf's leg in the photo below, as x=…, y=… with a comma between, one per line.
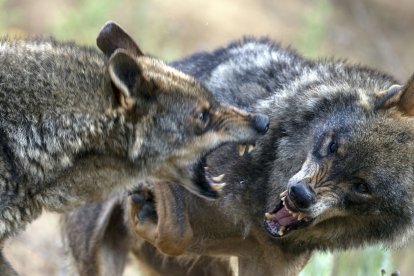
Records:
x=141, y=212
x=96, y=238
x=144, y=205
x=10, y=222
x=15, y=213
x=167, y=227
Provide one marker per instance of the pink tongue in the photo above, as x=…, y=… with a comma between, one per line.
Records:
x=284, y=218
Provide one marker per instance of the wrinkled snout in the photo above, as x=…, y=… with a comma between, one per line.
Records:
x=260, y=123
x=301, y=194
x=238, y=125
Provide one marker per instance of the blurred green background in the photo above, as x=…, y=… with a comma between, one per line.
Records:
x=377, y=33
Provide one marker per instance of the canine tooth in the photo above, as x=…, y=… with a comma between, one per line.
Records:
x=206, y=168
x=290, y=212
x=283, y=194
x=270, y=216
x=217, y=186
x=281, y=230
x=218, y=178
x=283, y=199
x=242, y=149
x=250, y=147
x=301, y=216
x=295, y=215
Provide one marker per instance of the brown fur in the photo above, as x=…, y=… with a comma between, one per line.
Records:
x=173, y=234
x=99, y=241
x=103, y=248
x=164, y=235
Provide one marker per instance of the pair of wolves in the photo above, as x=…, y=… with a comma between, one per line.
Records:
x=334, y=172
x=77, y=124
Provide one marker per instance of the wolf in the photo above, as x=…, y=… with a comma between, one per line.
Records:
x=77, y=123
x=334, y=172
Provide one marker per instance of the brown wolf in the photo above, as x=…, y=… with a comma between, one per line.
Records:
x=334, y=172
x=76, y=125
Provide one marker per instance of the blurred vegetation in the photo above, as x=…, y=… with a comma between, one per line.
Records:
x=80, y=22
x=311, y=37
x=171, y=29
x=369, y=261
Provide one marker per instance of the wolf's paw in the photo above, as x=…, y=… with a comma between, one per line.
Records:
x=143, y=205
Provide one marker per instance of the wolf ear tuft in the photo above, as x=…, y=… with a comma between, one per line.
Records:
x=126, y=77
x=389, y=98
x=112, y=37
x=401, y=97
x=406, y=103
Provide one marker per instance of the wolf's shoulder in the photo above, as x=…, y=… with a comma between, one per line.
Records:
x=245, y=70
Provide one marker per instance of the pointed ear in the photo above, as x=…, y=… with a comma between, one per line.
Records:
x=388, y=98
x=402, y=97
x=112, y=37
x=406, y=103
x=126, y=76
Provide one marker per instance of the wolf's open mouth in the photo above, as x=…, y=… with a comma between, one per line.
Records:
x=285, y=217
x=209, y=186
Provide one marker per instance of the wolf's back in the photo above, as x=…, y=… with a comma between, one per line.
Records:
x=245, y=71
x=41, y=76
x=249, y=71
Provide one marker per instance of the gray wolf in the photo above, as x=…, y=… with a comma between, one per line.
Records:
x=334, y=172
x=77, y=124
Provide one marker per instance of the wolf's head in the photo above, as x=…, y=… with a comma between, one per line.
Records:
x=176, y=122
x=356, y=182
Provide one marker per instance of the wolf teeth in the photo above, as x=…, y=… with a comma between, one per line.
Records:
x=250, y=147
x=284, y=194
x=270, y=216
x=217, y=186
x=281, y=230
x=218, y=178
x=242, y=149
x=301, y=216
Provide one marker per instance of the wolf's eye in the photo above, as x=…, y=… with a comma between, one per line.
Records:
x=204, y=116
x=361, y=187
x=332, y=147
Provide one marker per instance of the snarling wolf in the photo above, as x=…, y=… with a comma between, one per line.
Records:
x=334, y=172
x=76, y=124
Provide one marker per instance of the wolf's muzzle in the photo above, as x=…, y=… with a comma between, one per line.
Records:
x=260, y=123
x=301, y=194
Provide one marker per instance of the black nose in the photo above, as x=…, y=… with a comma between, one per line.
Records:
x=301, y=194
x=260, y=123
